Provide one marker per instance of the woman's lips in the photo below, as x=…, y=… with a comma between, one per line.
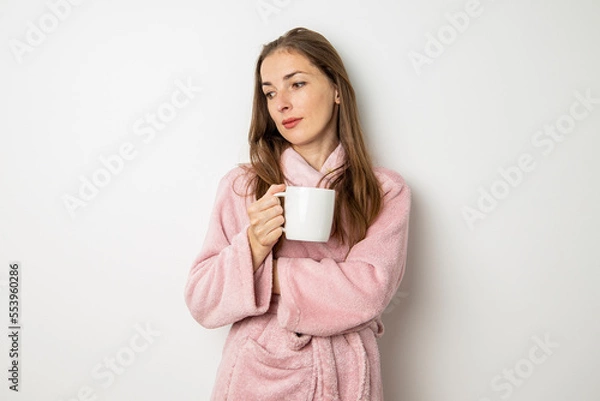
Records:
x=291, y=123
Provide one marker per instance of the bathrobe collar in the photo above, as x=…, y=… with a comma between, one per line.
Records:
x=298, y=172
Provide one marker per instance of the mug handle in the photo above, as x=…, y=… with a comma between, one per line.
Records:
x=280, y=195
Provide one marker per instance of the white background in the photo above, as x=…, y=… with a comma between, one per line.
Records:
x=474, y=298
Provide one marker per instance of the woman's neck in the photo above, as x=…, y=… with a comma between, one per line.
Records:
x=317, y=154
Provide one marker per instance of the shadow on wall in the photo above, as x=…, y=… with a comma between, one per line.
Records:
x=394, y=346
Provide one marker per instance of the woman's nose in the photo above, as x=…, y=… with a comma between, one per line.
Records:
x=283, y=102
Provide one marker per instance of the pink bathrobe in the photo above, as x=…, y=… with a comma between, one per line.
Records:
x=317, y=340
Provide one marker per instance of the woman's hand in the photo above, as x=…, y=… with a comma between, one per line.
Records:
x=266, y=219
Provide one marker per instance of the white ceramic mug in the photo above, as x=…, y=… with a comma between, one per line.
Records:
x=308, y=213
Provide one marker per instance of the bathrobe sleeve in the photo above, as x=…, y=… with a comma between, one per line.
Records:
x=221, y=287
x=325, y=297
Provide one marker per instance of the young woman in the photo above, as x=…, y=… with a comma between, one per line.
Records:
x=305, y=315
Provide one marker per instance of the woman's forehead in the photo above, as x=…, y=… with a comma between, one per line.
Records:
x=280, y=64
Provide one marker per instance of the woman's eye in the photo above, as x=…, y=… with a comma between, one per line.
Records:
x=299, y=84
x=269, y=95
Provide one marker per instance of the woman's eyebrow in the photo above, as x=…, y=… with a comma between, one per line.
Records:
x=286, y=77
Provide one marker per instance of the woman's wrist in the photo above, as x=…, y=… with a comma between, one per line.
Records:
x=276, y=289
x=259, y=252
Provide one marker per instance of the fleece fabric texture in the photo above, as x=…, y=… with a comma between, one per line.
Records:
x=317, y=339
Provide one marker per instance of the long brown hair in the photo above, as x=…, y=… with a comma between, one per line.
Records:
x=358, y=198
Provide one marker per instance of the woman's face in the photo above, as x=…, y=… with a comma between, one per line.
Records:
x=301, y=100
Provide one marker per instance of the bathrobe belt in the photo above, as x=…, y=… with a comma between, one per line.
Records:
x=324, y=368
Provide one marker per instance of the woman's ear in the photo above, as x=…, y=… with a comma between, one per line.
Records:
x=337, y=96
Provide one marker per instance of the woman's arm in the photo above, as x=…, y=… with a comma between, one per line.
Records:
x=327, y=297
x=226, y=282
